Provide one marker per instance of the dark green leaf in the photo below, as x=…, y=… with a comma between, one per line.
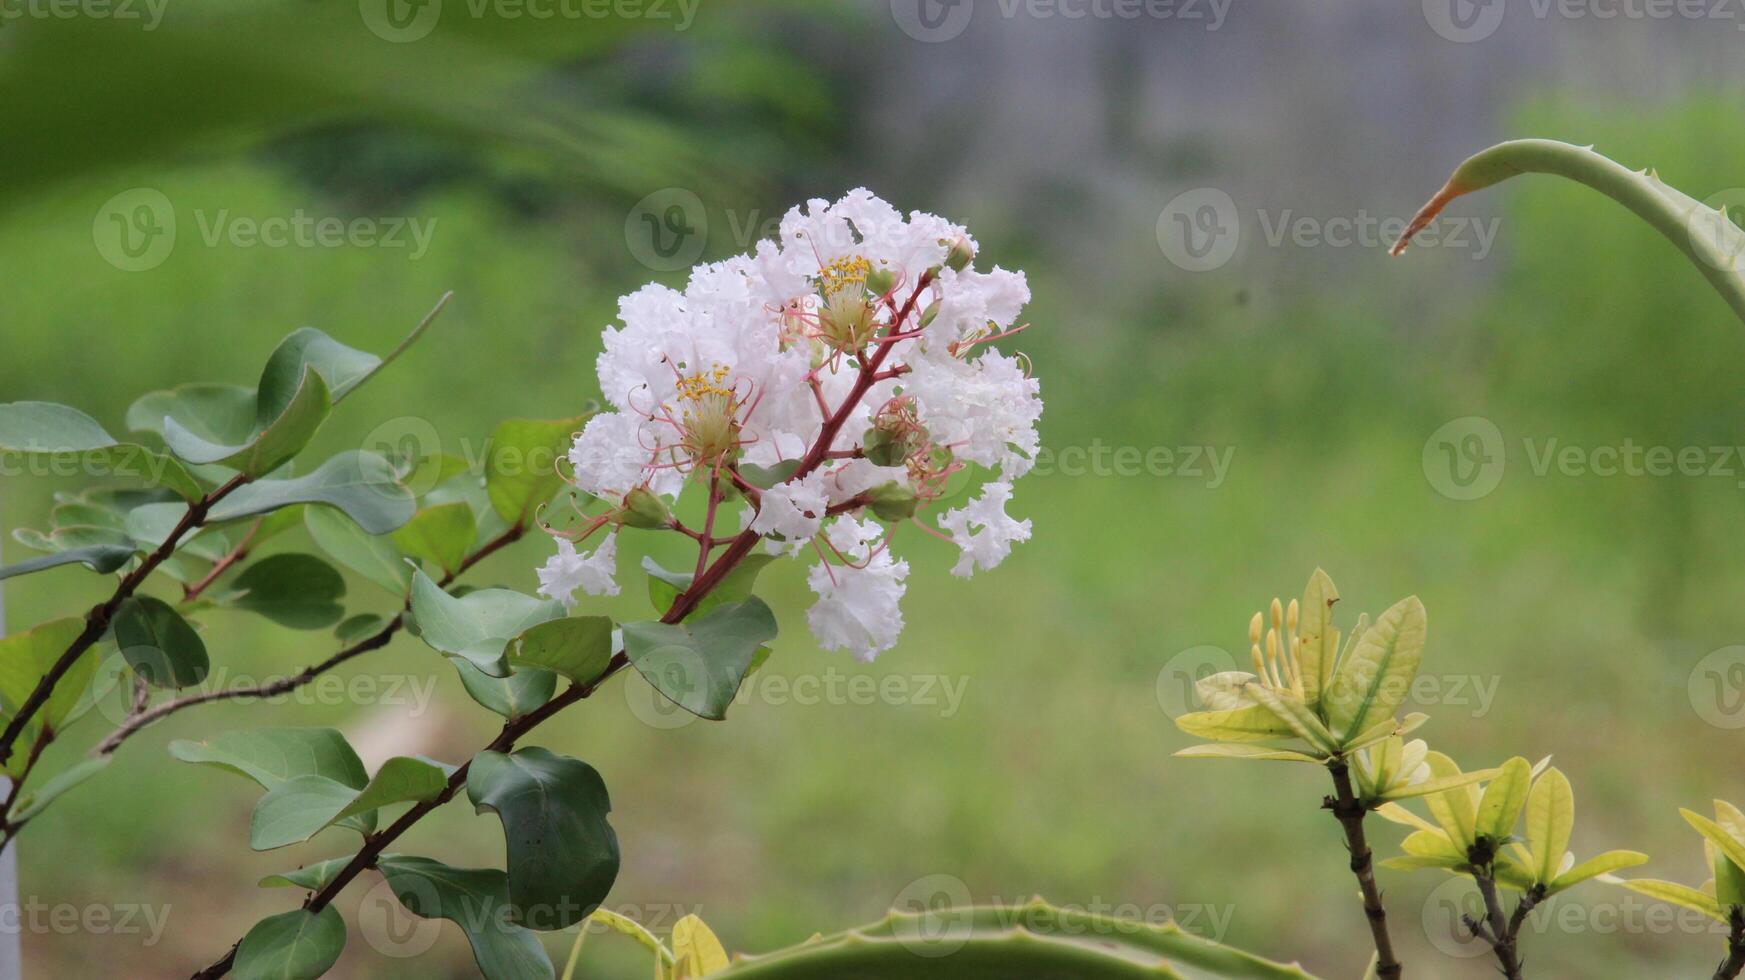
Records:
x=298, y=945
x=270, y=756
x=360, y=484
x=372, y=556
x=295, y=590
x=664, y=586
x=159, y=644
x=314, y=877
x=478, y=626
x=359, y=627
x=563, y=855
x=521, y=471
x=477, y=900
x=578, y=648
x=699, y=664
x=278, y=433
x=299, y=808
x=402, y=779
x=513, y=696
x=442, y=535
x=103, y=558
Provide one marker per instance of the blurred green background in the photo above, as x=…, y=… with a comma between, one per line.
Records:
x=1590, y=608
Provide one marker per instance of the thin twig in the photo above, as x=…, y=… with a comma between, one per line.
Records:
x=1735, y=961
x=222, y=565
x=1349, y=811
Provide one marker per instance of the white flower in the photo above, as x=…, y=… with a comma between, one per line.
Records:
x=989, y=546
x=853, y=539
x=857, y=607
x=567, y=571
x=794, y=510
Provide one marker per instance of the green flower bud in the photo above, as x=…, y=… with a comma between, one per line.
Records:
x=961, y=255
x=643, y=509
x=880, y=281
x=892, y=501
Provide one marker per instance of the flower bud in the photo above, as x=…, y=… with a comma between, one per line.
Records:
x=961, y=255
x=643, y=509
x=892, y=501
x=881, y=281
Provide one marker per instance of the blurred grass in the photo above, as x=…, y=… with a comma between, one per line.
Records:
x=1587, y=600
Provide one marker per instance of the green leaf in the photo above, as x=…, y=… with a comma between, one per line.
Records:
x=297, y=945
x=67, y=779
x=1729, y=846
x=25, y=659
x=578, y=649
x=664, y=586
x=521, y=470
x=477, y=900
x=279, y=431
x=373, y=556
x=402, y=779
x=100, y=558
x=1503, y=798
x=159, y=644
x=1438, y=784
x=1250, y=724
x=442, y=535
x=1302, y=721
x=359, y=627
x=295, y=590
x=1456, y=809
x=314, y=877
x=299, y=808
x=1319, y=653
x=360, y=484
x=1729, y=878
x=1377, y=674
x=1258, y=752
x=1705, y=235
x=512, y=697
x=62, y=433
x=563, y=854
x=478, y=626
x=696, y=949
x=270, y=756
x=214, y=413
x=699, y=664
x=1681, y=895
x=1550, y=819
x=1594, y=867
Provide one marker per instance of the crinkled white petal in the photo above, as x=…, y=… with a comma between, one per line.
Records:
x=983, y=530
x=853, y=539
x=615, y=454
x=794, y=510
x=567, y=571
x=987, y=409
x=857, y=608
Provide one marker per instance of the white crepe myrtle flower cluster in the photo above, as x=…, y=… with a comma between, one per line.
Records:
x=829, y=385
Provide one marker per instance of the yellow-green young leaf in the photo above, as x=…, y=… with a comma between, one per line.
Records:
x=1387, y=728
x=1728, y=845
x=1320, y=641
x=1550, y=818
x=1431, y=844
x=1398, y=814
x=1512, y=874
x=1683, y=896
x=1380, y=766
x=1253, y=724
x=630, y=927
x=25, y=658
x=1503, y=798
x=1440, y=784
x=441, y=535
x=1594, y=867
x=696, y=950
x=1376, y=676
x=1730, y=819
x=1412, y=862
x=1456, y=809
x=1729, y=878
x=1225, y=691
x=1296, y=714
x=1225, y=750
